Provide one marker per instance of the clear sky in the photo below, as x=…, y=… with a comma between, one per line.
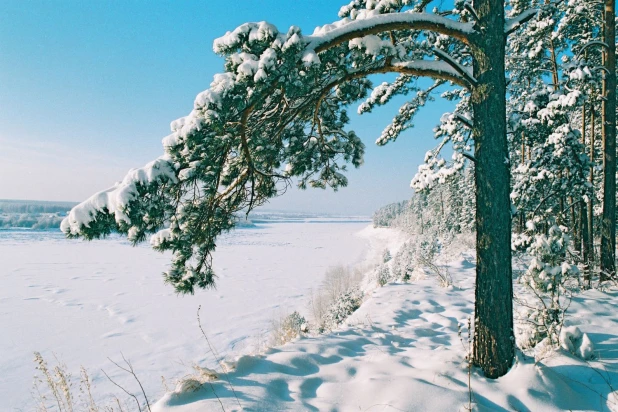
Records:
x=88, y=89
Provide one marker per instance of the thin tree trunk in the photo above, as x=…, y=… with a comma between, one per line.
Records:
x=608, y=224
x=494, y=343
x=591, y=203
x=522, y=217
x=583, y=218
x=575, y=226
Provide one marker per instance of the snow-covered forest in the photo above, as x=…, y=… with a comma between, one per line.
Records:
x=32, y=214
x=492, y=288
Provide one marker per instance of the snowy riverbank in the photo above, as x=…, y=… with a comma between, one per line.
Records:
x=403, y=351
x=89, y=301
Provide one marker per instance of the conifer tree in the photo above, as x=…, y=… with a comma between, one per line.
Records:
x=279, y=111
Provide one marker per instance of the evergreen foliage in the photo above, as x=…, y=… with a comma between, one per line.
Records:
x=526, y=120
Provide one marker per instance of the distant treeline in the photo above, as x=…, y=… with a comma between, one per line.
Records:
x=31, y=221
x=32, y=214
x=385, y=216
x=34, y=206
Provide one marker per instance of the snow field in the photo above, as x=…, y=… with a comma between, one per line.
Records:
x=85, y=302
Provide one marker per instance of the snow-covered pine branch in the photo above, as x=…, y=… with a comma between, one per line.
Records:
x=258, y=125
x=514, y=23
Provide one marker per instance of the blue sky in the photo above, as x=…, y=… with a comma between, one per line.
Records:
x=88, y=90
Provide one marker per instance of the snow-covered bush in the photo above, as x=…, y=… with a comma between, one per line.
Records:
x=288, y=328
x=427, y=252
x=338, y=280
x=383, y=274
x=341, y=285
x=404, y=261
x=551, y=279
x=340, y=309
x=386, y=256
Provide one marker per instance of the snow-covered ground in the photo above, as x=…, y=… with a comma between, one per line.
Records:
x=402, y=351
x=86, y=301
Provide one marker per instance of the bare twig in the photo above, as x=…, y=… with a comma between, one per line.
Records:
x=217, y=358
x=124, y=390
x=132, y=372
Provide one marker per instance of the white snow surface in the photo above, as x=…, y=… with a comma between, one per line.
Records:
x=401, y=352
x=86, y=301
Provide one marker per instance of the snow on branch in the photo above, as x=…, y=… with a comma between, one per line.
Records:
x=115, y=200
x=280, y=102
x=464, y=120
x=590, y=44
x=465, y=72
x=470, y=9
x=344, y=30
x=431, y=68
x=510, y=25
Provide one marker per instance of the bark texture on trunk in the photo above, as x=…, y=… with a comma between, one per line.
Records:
x=494, y=343
x=608, y=224
x=591, y=205
x=583, y=218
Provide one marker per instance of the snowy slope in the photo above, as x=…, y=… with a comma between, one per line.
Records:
x=401, y=351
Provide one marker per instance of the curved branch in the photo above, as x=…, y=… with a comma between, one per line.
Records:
x=428, y=68
x=592, y=43
x=388, y=22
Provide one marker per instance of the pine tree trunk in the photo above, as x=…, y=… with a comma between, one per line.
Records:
x=583, y=218
x=522, y=217
x=591, y=203
x=574, y=223
x=608, y=225
x=583, y=211
x=494, y=343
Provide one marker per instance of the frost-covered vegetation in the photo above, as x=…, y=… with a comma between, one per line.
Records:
x=30, y=214
x=35, y=221
x=534, y=125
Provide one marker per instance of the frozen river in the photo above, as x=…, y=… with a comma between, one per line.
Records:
x=87, y=301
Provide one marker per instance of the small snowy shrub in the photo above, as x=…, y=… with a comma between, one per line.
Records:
x=288, y=328
x=404, y=261
x=386, y=256
x=193, y=382
x=383, y=274
x=340, y=309
x=337, y=280
x=427, y=252
x=551, y=279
